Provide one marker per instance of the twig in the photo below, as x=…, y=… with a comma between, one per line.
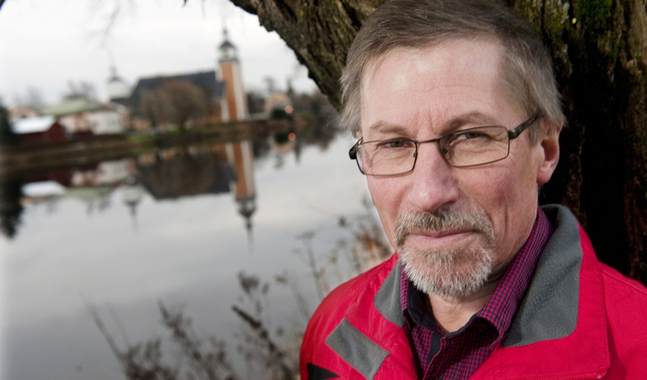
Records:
x=257, y=326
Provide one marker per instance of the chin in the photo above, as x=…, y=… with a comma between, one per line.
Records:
x=454, y=273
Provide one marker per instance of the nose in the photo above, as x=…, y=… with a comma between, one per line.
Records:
x=434, y=183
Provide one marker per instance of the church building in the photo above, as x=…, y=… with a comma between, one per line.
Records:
x=216, y=95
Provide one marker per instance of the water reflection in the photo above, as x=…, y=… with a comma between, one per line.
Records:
x=127, y=234
x=239, y=156
x=10, y=207
x=164, y=174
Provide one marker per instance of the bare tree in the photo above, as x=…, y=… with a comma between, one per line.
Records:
x=81, y=89
x=184, y=100
x=176, y=101
x=151, y=107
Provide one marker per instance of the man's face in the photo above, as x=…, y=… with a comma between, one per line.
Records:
x=481, y=216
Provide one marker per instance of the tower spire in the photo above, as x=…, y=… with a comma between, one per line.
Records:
x=227, y=49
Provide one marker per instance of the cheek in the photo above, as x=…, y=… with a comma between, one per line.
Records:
x=508, y=184
x=387, y=198
x=510, y=198
x=487, y=186
x=499, y=193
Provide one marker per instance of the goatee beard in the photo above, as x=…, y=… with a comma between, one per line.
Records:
x=448, y=273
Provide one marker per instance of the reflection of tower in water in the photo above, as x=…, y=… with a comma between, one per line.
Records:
x=132, y=195
x=239, y=155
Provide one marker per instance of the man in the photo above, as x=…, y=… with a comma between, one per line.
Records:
x=457, y=116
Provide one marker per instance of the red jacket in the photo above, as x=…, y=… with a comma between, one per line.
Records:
x=580, y=319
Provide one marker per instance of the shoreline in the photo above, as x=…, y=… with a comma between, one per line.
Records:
x=18, y=159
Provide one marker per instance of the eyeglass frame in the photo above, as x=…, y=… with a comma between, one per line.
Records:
x=511, y=133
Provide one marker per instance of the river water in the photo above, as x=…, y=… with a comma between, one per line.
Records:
x=175, y=227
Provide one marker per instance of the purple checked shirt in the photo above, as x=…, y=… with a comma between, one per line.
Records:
x=458, y=355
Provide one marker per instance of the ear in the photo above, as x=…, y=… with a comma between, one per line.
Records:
x=549, y=146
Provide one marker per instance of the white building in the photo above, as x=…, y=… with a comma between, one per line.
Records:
x=86, y=116
x=118, y=89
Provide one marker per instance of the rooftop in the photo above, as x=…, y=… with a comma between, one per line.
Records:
x=71, y=106
x=33, y=124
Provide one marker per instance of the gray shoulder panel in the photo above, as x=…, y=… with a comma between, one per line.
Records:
x=387, y=299
x=549, y=309
x=357, y=349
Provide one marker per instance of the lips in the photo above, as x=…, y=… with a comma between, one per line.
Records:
x=437, y=234
x=443, y=238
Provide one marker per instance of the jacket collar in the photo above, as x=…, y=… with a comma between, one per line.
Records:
x=562, y=315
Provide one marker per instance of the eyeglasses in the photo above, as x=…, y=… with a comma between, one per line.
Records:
x=462, y=149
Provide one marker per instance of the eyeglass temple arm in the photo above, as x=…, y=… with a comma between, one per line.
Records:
x=514, y=133
x=353, y=150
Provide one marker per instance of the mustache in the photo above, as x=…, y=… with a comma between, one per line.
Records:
x=442, y=220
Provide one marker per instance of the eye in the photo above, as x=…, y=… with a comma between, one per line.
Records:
x=479, y=136
x=470, y=134
x=395, y=143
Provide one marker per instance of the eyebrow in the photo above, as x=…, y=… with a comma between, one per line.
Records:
x=381, y=126
x=473, y=117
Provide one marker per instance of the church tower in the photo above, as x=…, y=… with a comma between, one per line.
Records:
x=235, y=107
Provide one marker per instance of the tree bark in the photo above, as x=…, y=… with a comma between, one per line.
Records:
x=600, y=52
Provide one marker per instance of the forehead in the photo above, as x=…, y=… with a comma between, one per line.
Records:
x=433, y=84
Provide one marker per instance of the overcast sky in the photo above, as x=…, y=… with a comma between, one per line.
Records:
x=46, y=43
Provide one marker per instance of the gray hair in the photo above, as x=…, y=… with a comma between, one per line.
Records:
x=528, y=75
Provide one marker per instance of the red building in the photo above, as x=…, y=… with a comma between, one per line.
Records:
x=42, y=129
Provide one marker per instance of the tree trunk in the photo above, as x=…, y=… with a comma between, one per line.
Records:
x=600, y=52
